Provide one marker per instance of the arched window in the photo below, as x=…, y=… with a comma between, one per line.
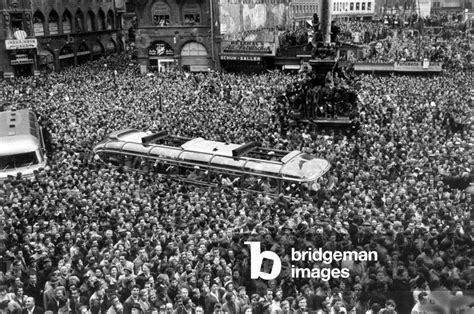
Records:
x=67, y=18
x=193, y=49
x=97, y=50
x=110, y=19
x=66, y=57
x=101, y=21
x=38, y=23
x=83, y=48
x=112, y=46
x=53, y=23
x=192, y=13
x=90, y=21
x=160, y=13
x=79, y=22
x=83, y=54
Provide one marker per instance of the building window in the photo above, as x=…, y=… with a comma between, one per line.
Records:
x=351, y=8
x=363, y=6
x=67, y=22
x=79, y=23
x=38, y=23
x=192, y=13
x=53, y=23
x=161, y=14
x=130, y=7
x=17, y=21
x=90, y=21
x=110, y=20
x=101, y=24
x=357, y=6
x=369, y=6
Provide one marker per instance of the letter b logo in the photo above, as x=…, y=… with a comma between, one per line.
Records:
x=256, y=259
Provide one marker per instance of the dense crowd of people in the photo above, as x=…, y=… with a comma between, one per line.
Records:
x=363, y=32
x=298, y=36
x=452, y=48
x=83, y=237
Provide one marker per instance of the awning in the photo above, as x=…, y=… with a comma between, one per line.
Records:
x=309, y=22
x=199, y=68
x=66, y=56
x=83, y=53
x=291, y=67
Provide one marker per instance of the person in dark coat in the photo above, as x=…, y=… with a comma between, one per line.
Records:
x=31, y=307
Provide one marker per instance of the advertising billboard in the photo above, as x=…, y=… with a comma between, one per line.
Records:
x=252, y=20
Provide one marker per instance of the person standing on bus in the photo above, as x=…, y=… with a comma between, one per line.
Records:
x=227, y=182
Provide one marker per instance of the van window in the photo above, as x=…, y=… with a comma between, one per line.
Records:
x=18, y=160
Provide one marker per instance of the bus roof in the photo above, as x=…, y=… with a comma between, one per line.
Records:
x=292, y=165
x=18, y=144
x=19, y=132
x=19, y=122
x=210, y=147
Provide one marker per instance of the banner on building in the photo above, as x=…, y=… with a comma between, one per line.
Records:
x=14, y=44
x=252, y=20
x=248, y=47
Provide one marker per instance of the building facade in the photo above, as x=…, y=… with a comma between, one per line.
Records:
x=73, y=32
x=301, y=12
x=17, y=42
x=347, y=9
x=56, y=34
x=176, y=34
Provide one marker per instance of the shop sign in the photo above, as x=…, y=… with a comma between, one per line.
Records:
x=22, y=61
x=241, y=58
x=254, y=47
x=160, y=49
x=13, y=44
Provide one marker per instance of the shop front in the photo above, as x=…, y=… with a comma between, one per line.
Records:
x=194, y=57
x=161, y=57
x=46, y=61
x=66, y=57
x=247, y=56
x=111, y=47
x=97, y=50
x=83, y=54
x=22, y=55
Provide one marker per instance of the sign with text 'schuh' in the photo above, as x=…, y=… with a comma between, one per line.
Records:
x=14, y=44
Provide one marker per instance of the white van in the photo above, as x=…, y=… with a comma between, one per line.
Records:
x=21, y=144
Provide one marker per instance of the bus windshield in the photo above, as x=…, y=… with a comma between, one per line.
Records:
x=306, y=167
x=18, y=160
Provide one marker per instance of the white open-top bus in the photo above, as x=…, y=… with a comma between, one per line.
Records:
x=246, y=166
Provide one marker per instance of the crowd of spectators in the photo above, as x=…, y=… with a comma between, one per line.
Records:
x=298, y=36
x=85, y=238
x=452, y=48
x=363, y=32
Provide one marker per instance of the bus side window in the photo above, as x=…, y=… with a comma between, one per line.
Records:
x=249, y=182
x=99, y=157
x=112, y=158
x=170, y=169
x=158, y=166
x=290, y=188
x=270, y=185
x=225, y=179
x=140, y=164
x=128, y=162
x=305, y=191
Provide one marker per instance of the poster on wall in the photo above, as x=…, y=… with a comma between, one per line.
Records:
x=252, y=20
x=53, y=29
